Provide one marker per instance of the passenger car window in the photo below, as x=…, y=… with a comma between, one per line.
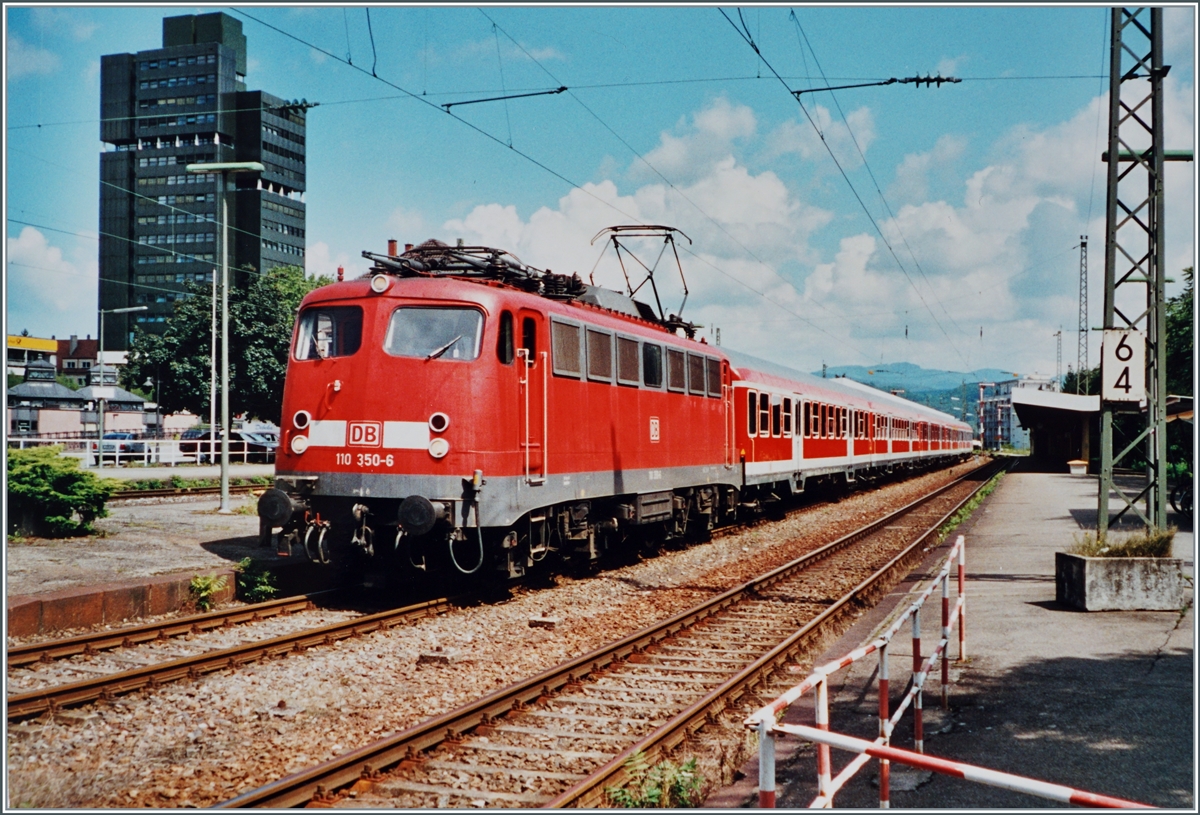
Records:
x=434, y=333
x=329, y=331
x=652, y=367
x=751, y=413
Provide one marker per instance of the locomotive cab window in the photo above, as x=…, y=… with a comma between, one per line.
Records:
x=504, y=339
x=567, y=357
x=652, y=365
x=434, y=333
x=529, y=336
x=329, y=331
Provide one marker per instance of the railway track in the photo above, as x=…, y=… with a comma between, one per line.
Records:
x=177, y=492
x=110, y=685
x=560, y=738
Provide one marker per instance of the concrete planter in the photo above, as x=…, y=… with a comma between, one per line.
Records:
x=1119, y=583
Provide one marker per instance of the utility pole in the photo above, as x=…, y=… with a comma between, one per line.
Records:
x=1081, y=362
x=1133, y=255
x=1058, y=363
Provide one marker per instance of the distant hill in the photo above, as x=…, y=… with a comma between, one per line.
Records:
x=914, y=379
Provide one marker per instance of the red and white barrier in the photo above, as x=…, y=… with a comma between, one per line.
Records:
x=764, y=722
x=958, y=769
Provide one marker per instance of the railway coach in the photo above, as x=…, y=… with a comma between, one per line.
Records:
x=454, y=410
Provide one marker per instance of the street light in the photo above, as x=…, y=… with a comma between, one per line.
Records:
x=100, y=398
x=225, y=168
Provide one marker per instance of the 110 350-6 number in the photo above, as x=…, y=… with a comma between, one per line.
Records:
x=365, y=459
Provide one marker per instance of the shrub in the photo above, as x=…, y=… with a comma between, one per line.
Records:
x=663, y=786
x=49, y=495
x=1148, y=543
x=205, y=587
x=255, y=584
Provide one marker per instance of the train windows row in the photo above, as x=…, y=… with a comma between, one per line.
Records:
x=770, y=415
x=600, y=355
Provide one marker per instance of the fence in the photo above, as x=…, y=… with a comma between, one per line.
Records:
x=145, y=451
x=764, y=721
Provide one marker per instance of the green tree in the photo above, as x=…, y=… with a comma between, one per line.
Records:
x=1181, y=341
x=260, y=330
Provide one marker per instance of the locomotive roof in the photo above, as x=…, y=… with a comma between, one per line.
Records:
x=847, y=387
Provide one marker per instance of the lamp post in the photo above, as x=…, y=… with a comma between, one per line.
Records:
x=100, y=401
x=225, y=168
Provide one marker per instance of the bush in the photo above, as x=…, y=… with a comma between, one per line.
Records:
x=663, y=786
x=50, y=496
x=205, y=588
x=1149, y=543
x=255, y=584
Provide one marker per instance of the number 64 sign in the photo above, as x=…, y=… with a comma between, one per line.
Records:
x=1123, y=366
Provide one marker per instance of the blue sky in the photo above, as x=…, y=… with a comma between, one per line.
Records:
x=981, y=188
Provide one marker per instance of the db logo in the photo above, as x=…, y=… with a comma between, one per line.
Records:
x=654, y=428
x=366, y=434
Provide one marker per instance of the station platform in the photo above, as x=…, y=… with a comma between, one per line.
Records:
x=1099, y=701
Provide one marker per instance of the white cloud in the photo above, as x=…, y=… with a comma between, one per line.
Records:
x=948, y=66
x=913, y=175
x=709, y=139
x=47, y=293
x=486, y=47
x=24, y=59
x=318, y=260
x=799, y=136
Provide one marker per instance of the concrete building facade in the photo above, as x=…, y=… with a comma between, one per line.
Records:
x=181, y=104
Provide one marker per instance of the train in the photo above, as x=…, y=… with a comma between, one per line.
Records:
x=454, y=411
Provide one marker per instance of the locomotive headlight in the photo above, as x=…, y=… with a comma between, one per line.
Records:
x=380, y=283
x=299, y=444
x=438, y=422
x=439, y=447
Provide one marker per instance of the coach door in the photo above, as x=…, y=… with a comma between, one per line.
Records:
x=533, y=352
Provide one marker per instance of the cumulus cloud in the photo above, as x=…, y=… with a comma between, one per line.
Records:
x=47, y=293
x=800, y=137
x=710, y=137
x=913, y=174
x=25, y=59
x=319, y=260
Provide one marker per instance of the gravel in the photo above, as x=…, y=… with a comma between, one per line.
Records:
x=198, y=743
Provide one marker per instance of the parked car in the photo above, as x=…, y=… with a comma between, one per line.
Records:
x=244, y=445
x=119, y=444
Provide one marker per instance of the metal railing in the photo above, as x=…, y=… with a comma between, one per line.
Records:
x=145, y=451
x=764, y=721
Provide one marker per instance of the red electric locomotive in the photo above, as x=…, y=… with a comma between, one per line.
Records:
x=456, y=410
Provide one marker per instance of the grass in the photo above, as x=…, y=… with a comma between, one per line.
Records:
x=662, y=786
x=176, y=482
x=1147, y=543
x=965, y=511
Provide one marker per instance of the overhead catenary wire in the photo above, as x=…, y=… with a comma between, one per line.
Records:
x=871, y=173
x=750, y=41
x=481, y=131
x=671, y=185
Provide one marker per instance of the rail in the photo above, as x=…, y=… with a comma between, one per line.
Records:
x=764, y=722
x=315, y=785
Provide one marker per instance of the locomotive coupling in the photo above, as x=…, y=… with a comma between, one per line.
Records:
x=277, y=507
x=418, y=515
